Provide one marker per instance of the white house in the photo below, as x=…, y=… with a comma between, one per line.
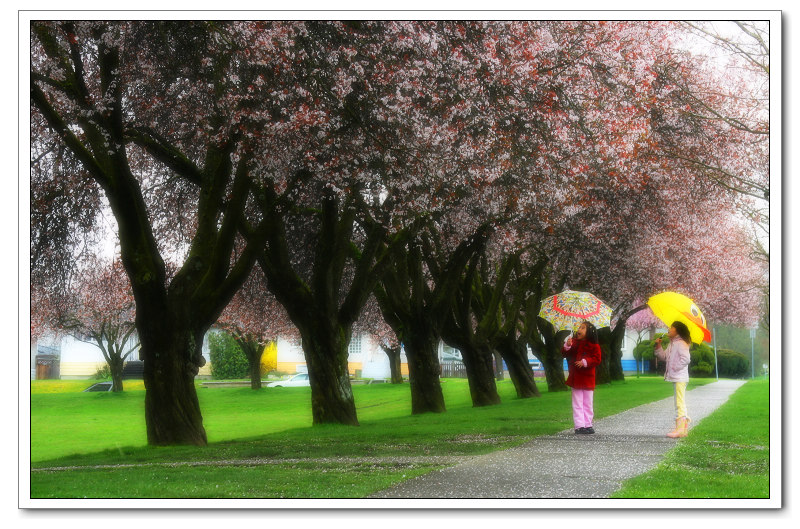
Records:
x=66, y=357
x=365, y=358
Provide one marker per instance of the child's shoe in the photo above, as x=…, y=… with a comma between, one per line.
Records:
x=684, y=427
x=588, y=429
x=674, y=433
x=681, y=424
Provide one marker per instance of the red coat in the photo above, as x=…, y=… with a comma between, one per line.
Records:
x=581, y=377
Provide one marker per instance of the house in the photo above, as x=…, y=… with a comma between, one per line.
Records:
x=68, y=357
x=365, y=358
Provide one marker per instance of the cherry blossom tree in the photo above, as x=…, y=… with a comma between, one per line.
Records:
x=63, y=210
x=473, y=324
x=725, y=104
x=44, y=312
x=371, y=322
x=415, y=297
x=737, y=101
x=108, y=91
x=644, y=188
x=562, y=125
x=686, y=243
x=428, y=125
x=512, y=337
x=322, y=150
x=102, y=313
x=254, y=318
x=543, y=339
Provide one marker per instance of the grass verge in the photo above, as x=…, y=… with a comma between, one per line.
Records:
x=724, y=456
x=273, y=428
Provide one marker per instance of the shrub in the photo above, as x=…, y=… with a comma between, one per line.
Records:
x=645, y=351
x=227, y=359
x=103, y=373
x=702, y=360
x=732, y=363
x=701, y=369
x=269, y=358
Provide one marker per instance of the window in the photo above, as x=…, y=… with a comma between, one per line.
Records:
x=448, y=354
x=82, y=336
x=134, y=356
x=355, y=346
x=54, y=350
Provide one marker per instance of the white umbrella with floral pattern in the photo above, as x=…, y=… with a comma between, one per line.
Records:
x=567, y=309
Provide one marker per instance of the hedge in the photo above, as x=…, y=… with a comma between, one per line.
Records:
x=731, y=364
x=227, y=359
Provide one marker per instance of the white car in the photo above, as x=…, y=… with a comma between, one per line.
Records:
x=300, y=379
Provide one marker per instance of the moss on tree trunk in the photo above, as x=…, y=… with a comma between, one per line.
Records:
x=172, y=411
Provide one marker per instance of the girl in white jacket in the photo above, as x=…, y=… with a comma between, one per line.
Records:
x=677, y=359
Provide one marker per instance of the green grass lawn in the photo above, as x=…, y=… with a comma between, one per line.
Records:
x=724, y=456
x=69, y=427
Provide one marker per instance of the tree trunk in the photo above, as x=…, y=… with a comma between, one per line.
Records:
x=172, y=358
x=553, y=363
x=519, y=369
x=498, y=365
x=115, y=365
x=116, y=375
x=254, y=367
x=326, y=355
x=610, y=367
x=602, y=371
x=548, y=351
x=617, y=336
x=394, y=363
x=423, y=374
x=252, y=350
x=480, y=374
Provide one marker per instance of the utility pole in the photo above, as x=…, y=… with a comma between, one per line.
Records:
x=716, y=364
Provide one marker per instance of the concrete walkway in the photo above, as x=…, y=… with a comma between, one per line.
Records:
x=566, y=465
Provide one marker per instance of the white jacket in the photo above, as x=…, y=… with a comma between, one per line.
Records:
x=677, y=358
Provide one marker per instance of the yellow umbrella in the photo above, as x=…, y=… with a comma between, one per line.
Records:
x=671, y=306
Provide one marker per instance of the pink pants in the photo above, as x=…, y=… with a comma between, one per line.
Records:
x=582, y=407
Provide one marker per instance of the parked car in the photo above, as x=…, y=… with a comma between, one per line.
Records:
x=300, y=379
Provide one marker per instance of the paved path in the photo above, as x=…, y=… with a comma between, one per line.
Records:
x=566, y=465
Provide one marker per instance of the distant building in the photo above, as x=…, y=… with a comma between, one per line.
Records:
x=67, y=357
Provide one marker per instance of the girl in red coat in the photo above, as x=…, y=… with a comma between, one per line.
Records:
x=583, y=354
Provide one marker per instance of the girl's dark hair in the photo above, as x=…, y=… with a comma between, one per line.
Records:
x=683, y=331
x=591, y=332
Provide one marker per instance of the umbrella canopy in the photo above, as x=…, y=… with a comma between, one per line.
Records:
x=566, y=310
x=672, y=306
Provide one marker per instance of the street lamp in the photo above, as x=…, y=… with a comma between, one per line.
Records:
x=752, y=355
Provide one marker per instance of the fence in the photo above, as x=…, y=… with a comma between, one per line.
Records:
x=454, y=370
x=47, y=367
